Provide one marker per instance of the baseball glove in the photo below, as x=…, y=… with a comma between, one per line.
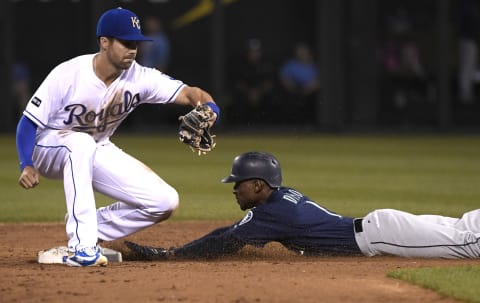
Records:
x=194, y=129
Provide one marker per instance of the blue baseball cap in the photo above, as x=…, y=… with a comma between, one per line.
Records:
x=122, y=24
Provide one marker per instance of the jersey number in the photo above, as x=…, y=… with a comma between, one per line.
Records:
x=324, y=209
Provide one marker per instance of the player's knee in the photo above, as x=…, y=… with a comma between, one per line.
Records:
x=166, y=202
x=172, y=200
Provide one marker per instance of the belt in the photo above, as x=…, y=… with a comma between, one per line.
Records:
x=357, y=225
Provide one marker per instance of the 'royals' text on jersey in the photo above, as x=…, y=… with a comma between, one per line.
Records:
x=73, y=97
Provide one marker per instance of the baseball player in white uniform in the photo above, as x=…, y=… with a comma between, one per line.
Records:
x=65, y=131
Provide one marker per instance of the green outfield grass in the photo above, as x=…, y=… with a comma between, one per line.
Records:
x=461, y=282
x=350, y=174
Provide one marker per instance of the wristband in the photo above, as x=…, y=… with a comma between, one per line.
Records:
x=214, y=108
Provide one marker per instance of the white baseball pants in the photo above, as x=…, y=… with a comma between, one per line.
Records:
x=142, y=197
x=394, y=232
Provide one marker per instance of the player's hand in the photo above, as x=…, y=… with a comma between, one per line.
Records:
x=149, y=253
x=29, y=178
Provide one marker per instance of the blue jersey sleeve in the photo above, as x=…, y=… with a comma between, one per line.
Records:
x=252, y=229
x=26, y=132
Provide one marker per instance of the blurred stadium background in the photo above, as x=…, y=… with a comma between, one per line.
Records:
x=350, y=42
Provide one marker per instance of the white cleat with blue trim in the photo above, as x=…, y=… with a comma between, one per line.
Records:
x=87, y=256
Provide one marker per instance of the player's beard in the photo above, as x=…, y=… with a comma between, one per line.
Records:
x=121, y=63
x=125, y=63
x=128, y=59
x=244, y=204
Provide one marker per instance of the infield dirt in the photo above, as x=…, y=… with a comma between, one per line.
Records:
x=272, y=274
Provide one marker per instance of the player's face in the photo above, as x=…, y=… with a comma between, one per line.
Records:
x=122, y=53
x=246, y=194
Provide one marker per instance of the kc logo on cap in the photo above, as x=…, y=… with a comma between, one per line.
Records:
x=135, y=22
x=122, y=24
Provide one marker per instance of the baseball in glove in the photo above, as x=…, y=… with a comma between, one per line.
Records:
x=194, y=129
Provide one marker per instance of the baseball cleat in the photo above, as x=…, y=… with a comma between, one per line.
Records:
x=88, y=256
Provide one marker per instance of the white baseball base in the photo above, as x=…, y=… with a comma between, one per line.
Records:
x=53, y=255
x=57, y=255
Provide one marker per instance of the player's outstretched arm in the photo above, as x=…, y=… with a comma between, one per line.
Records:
x=191, y=95
x=217, y=243
x=194, y=96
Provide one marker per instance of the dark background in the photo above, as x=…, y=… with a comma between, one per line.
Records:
x=346, y=36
